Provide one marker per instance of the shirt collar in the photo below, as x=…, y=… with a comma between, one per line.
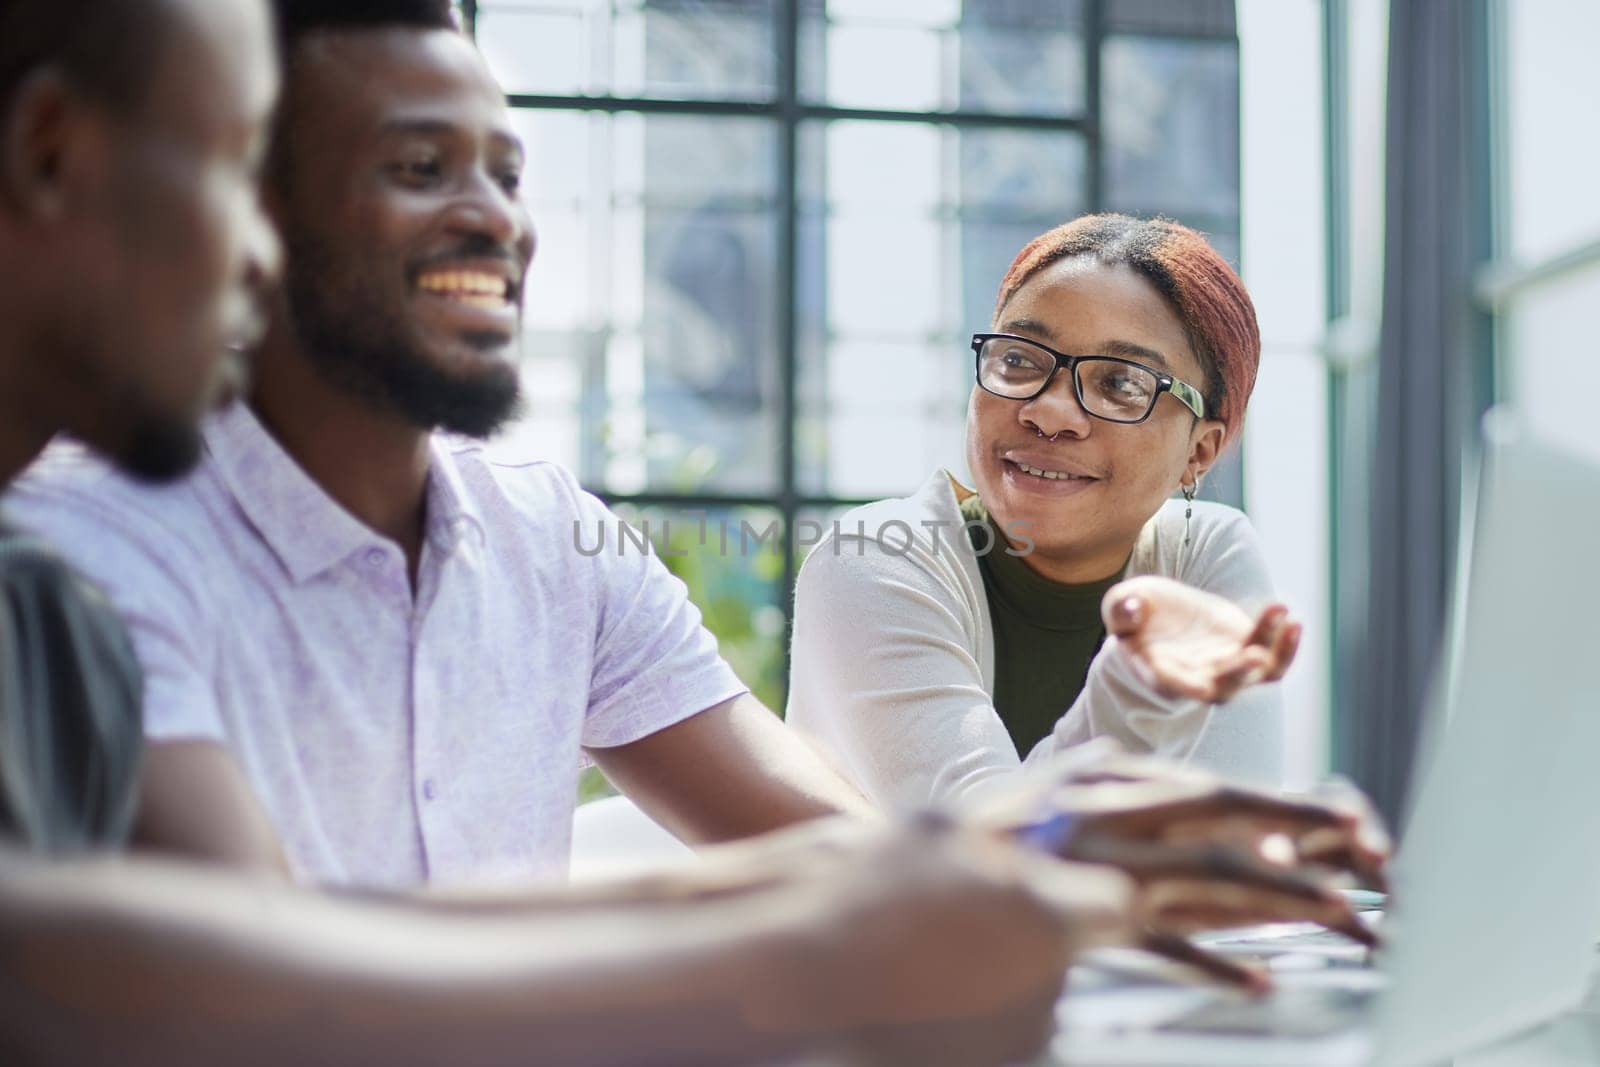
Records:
x=452, y=512
x=304, y=527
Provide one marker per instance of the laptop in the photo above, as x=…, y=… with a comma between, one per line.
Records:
x=1497, y=882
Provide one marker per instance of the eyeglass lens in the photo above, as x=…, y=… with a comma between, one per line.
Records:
x=1107, y=388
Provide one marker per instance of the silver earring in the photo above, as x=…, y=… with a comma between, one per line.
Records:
x=1189, y=491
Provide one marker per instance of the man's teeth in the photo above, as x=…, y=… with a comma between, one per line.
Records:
x=1053, y=475
x=478, y=300
x=470, y=287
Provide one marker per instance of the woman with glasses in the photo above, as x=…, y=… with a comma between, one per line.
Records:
x=1077, y=589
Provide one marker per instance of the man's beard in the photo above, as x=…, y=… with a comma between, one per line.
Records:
x=144, y=439
x=357, y=342
x=159, y=449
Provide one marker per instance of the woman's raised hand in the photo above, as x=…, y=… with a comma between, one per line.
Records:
x=1189, y=643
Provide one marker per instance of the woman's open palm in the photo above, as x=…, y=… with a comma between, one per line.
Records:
x=1189, y=643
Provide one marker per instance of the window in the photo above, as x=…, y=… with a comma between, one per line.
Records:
x=766, y=228
x=1544, y=288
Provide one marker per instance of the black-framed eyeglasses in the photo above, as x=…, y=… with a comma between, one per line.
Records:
x=1117, y=390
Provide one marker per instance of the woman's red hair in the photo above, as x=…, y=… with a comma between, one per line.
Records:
x=1207, y=295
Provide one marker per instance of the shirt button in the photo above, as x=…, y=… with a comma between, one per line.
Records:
x=375, y=557
x=429, y=790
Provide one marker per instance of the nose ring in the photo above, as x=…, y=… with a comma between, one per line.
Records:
x=1047, y=437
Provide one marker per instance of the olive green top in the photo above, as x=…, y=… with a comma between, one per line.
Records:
x=1045, y=633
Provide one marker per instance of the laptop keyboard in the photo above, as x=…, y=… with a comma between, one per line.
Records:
x=1318, y=936
x=1290, y=1013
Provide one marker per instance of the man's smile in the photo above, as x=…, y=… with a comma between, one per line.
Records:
x=477, y=288
x=478, y=294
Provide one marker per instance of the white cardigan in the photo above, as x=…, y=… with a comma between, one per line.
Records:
x=893, y=656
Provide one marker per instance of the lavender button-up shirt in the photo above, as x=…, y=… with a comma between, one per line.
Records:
x=394, y=738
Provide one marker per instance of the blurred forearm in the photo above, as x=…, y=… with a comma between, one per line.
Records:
x=730, y=772
x=714, y=871
x=137, y=962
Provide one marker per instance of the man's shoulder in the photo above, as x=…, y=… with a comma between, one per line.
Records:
x=66, y=468
x=107, y=524
x=511, y=488
x=68, y=478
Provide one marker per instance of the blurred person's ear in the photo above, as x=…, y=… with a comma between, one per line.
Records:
x=48, y=141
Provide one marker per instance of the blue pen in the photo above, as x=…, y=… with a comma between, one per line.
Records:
x=1049, y=834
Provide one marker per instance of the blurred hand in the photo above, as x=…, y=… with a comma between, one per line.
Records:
x=1206, y=854
x=1189, y=643
x=1132, y=799
x=938, y=945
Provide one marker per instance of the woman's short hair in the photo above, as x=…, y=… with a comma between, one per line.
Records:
x=1207, y=295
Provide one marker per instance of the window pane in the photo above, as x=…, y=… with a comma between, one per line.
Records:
x=1172, y=147
x=650, y=337
x=681, y=49
x=1550, y=77
x=905, y=231
x=733, y=578
x=1172, y=129
x=1192, y=18
x=1020, y=56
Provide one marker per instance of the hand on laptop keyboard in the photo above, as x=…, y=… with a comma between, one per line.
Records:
x=1209, y=855
x=1191, y=888
x=1128, y=798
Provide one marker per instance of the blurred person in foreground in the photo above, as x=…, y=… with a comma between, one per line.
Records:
x=926, y=943
x=134, y=264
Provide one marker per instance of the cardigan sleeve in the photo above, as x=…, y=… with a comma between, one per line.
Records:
x=1243, y=738
x=887, y=678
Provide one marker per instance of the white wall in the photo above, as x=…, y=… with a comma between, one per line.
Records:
x=1284, y=259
